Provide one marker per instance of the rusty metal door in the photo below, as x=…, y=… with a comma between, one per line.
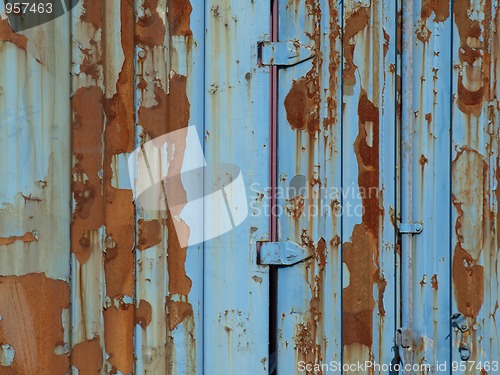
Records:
x=337, y=183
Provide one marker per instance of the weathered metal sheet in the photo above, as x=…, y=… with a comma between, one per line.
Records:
x=93, y=282
x=431, y=181
x=237, y=113
x=34, y=196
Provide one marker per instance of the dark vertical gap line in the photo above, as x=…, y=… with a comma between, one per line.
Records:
x=396, y=310
x=341, y=266
x=204, y=116
x=450, y=181
x=273, y=272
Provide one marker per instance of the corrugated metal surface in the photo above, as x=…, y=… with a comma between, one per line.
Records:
x=92, y=283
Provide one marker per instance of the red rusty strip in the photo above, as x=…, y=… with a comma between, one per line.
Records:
x=92, y=13
x=333, y=64
x=26, y=238
x=470, y=173
x=177, y=312
x=441, y=9
x=361, y=254
x=170, y=113
x=149, y=233
x=353, y=25
x=87, y=357
x=119, y=337
x=88, y=214
x=8, y=35
x=31, y=308
x=178, y=15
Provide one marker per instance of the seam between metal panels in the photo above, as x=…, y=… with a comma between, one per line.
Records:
x=204, y=119
x=342, y=183
x=450, y=181
x=396, y=178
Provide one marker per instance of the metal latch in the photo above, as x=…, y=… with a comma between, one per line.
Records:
x=404, y=338
x=410, y=228
x=284, y=53
x=284, y=253
x=459, y=322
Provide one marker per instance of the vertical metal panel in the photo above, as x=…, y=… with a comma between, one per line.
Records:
x=431, y=181
x=323, y=144
x=369, y=141
x=236, y=90
x=34, y=196
x=309, y=173
x=474, y=178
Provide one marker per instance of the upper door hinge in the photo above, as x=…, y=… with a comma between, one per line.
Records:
x=286, y=53
x=284, y=253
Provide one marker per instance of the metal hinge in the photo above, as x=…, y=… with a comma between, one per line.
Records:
x=284, y=253
x=286, y=53
x=410, y=228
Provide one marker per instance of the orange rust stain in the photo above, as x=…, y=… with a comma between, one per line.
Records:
x=474, y=46
x=353, y=25
x=178, y=16
x=27, y=237
x=300, y=105
x=441, y=9
x=177, y=312
x=119, y=267
x=434, y=282
x=423, y=161
x=295, y=207
x=149, y=233
x=334, y=64
x=119, y=137
x=92, y=13
x=470, y=172
x=143, y=314
x=171, y=111
x=150, y=27
x=87, y=357
x=8, y=35
x=88, y=214
x=387, y=41
x=31, y=309
x=361, y=253
x=119, y=337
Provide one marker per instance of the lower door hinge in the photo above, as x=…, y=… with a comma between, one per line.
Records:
x=286, y=53
x=410, y=228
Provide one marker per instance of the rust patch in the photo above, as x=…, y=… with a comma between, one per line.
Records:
x=143, y=314
x=8, y=35
x=353, y=25
x=179, y=12
x=423, y=161
x=177, y=312
x=300, y=105
x=119, y=337
x=470, y=178
x=387, y=41
x=150, y=29
x=334, y=64
x=92, y=13
x=26, y=238
x=467, y=28
x=171, y=111
x=88, y=214
x=361, y=253
x=87, y=357
x=149, y=233
x=295, y=207
x=31, y=309
x=435, y=282
x=441, y=10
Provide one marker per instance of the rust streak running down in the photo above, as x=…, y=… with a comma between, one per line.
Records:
x=361, y=253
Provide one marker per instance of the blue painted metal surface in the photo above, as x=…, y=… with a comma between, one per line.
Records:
x=92, y=282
